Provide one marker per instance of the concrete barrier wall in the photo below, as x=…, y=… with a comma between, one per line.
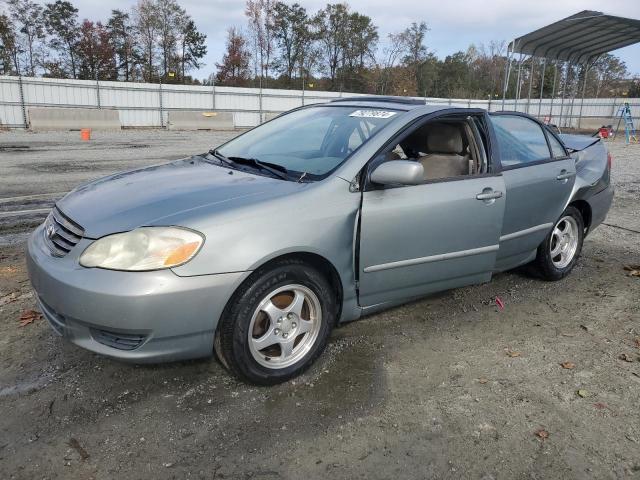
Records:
x=47, y=118
x=149, y=105
x=187, y=120
x=594, y=123
x=271, y=116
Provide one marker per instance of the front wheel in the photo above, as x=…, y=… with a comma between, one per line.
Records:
x=560, y=250
x=276, y=324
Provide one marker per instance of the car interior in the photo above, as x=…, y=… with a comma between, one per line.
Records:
x=446, y=148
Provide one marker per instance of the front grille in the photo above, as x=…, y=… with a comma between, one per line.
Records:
x=61, y=233
x=121, y=341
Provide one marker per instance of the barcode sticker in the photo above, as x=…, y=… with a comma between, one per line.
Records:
x=372, y=114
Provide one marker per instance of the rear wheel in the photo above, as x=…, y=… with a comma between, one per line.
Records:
x=276, y=324
x=560, y=250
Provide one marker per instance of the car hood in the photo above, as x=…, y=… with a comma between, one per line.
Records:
x=158, y=195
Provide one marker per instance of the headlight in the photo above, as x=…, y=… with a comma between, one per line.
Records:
x=146, y=248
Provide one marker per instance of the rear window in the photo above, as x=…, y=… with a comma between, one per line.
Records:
x=520, y=140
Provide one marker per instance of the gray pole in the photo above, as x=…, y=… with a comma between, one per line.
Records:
x=564, y=89
x=160, y=98
x=260, y=100
x=22, y=105
x=213, y=93
x=574, y=92
x=584, y=88
x=530, y=83
x=98, y=92
x=507, y=72
x=544, y=68
x=553, y=89
x=303, y=82
x=515, y=105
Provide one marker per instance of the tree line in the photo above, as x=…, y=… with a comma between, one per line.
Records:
x=156, y=40
x=281, y=45
x=336, y=48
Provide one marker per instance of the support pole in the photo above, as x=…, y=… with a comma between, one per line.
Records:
x=213, y=93
x=553, y=89
x=303, y=85
x=530, y=83
x=574, y=92
x=584, y=88
x=515, y=105
x=564, y=89
x=160, y=103
x=260, y=101
x=507, y=73
x=25, y=122
x=544, y=68
x=99, y=105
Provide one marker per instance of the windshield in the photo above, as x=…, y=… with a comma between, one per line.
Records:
x=311, y=141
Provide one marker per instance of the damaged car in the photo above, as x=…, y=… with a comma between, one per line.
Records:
x=257, y=249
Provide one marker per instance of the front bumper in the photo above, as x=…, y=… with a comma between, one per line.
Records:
x=137, y=316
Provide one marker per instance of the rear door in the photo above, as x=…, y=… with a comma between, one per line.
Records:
x=538, y=176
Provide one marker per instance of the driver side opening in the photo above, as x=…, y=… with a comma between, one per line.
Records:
x=446, y=148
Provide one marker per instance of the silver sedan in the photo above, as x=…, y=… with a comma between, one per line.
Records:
x=257, y=249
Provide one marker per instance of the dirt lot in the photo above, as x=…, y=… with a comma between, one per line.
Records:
x=448, y=387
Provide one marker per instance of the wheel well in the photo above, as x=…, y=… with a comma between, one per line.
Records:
x=324, y=266
x=585, y=211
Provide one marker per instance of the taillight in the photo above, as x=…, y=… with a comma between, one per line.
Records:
x=609, y=160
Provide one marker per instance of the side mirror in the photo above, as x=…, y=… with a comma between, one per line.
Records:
x=398, y=172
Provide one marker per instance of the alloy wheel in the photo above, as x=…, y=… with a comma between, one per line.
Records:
x=564, y=241
x=284, y=326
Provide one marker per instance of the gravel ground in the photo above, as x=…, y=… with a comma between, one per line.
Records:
x=447, y=387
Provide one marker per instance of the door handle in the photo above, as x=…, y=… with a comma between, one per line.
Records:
x=489, y=195
x=564, y=175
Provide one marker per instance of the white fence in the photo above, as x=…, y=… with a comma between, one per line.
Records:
x=147, y=104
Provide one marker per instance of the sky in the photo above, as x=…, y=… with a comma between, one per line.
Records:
x=454, y=24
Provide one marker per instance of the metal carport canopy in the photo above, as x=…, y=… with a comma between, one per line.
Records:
x=579, y=38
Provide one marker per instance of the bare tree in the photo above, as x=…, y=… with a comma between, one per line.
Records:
x=147, y=28
x=394, y=50
x=347, y=41
x=332, y=26
x=124, y=43
x=260, y=14
x=28, y=17
x=171, y=22
x=414, y=37
x=292, y=35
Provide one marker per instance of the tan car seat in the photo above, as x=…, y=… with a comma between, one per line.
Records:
x=445, y=146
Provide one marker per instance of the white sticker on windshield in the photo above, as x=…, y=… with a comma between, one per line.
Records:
x=372, y=114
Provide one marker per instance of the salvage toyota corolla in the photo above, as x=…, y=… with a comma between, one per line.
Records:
x=257, y=249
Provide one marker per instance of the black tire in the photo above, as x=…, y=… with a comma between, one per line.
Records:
x=232, y=344
x=544, y=265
